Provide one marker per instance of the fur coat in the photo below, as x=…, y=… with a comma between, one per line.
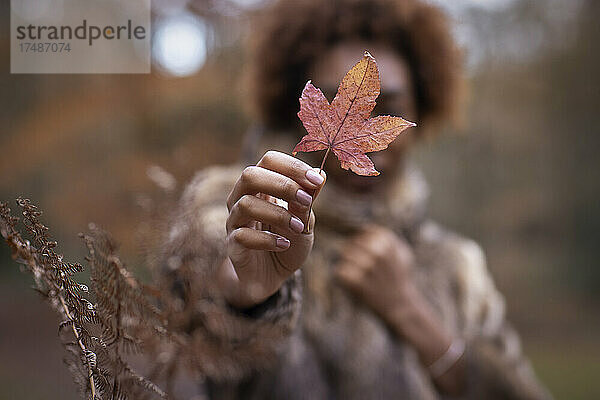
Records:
x=312, y=339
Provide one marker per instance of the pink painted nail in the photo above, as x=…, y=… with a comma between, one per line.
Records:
x=303, y=197
x=283, y=243
x=296, y=224
x=314, y=177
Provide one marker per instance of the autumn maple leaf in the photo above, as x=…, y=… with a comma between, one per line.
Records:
x=344, y=126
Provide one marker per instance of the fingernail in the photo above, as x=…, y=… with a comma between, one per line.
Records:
x=283, y=243
x=303, y=197
x=296, y=224
x=314, y=177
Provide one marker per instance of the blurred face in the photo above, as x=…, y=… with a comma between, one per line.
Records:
x=396, y=98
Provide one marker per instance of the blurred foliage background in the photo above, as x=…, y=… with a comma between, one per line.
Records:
x=521, y=175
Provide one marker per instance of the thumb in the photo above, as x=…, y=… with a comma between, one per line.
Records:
x=315, y=193
x=318, y=190
x=304, y=212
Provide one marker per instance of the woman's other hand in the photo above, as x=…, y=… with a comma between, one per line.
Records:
x=377, y=266
x=268, y=240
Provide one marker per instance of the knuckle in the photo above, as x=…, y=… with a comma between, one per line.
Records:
x=379, y=251
x=283, y=217
x=234, y=236
x=244, y=204
x=387, y=244
x=269, y=157
x=248, y=174
x=405, y=255
x=349, y=277
x=298, y=164
x=288, y=187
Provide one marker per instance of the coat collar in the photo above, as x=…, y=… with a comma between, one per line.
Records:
x=402, y=207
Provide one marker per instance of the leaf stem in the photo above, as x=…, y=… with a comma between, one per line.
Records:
x=324, y=158
x=310, y=207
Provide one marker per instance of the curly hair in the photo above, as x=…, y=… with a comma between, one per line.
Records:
x=293, y=34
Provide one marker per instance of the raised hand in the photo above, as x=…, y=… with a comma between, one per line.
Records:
x=269, y=228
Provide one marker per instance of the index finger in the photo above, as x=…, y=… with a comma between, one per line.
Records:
x=292, y=167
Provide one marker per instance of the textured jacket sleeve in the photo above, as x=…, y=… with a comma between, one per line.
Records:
x=226, y=343
x=496, y=366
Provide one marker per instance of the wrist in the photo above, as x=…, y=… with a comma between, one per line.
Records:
x=238, y=294
x=404, y=310
x=416, y=322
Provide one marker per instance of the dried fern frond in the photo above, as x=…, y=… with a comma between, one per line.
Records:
x=53, y=279
x=126, y=315
x=95, y=334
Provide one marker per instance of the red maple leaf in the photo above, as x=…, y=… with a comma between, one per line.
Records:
x=344, y=126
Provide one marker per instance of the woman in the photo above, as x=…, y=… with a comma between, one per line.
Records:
x=361, y=297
